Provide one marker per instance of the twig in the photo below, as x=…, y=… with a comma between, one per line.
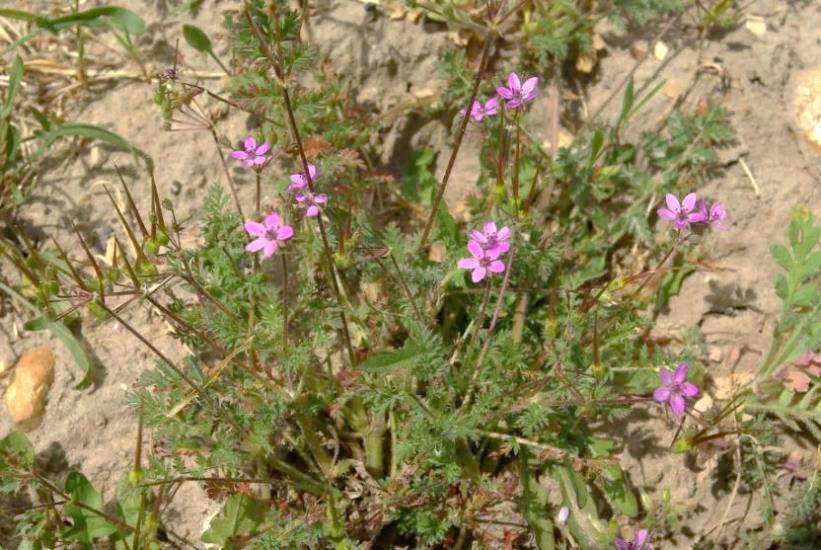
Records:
x=750, y=175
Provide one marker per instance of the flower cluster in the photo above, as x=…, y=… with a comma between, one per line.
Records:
x=251, y=154
x=515, y=95
x=269, y=235
x=486, y=246
x=675, y=389
x=300, y=187
x=692, y=211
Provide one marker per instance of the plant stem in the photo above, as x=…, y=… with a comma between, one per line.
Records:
x=456, y=145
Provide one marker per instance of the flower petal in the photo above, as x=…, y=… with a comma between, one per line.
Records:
x=514, y=83
x=503, y=233
x=312, y=211
x=239, y=155
x=661, y=395
x=689, y=202
x=254, y=229
x=666, y=214
x=256, y=244
x=250, y=144
x=478, y=274
x=490, y=228
x=677, y=404
x=272, y=221
x=672, y=203
x=468, y=263
x=270, y=248
x=690, y=390
x=285, y=232
x=497, y=266
x=312, y=171
x=681, y=373
x=529, y=87
x=478, y=236
x=262, y=149
x=475, y=249
x=504, y=92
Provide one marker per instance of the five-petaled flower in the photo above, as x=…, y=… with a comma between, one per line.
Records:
x=299, y=181
x=311, y=202
x=639, y=542
x=479, y=112
x=268, y=235
x=251, y=154
x=515, y=93
x=683, y=213
x=481, y=262
x=712, y=216
x=493, y=241
x=674, y=388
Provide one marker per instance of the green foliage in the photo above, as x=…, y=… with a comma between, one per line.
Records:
x=797, y=330
x=356, y=388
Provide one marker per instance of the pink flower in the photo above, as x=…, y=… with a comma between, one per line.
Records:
x=712, y=216
x=479, y=112
x=311, y=202
x=515, y=93
x=674, y=389
x=638, y=543
x=682, y=213
x=251, y=155
x=493, y=242
x=481, y=262
x=299, y=181
x=269, y=235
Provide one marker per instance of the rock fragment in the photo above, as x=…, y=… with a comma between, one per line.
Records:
x=26, y=395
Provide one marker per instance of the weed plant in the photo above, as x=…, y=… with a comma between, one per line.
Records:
x=364, y=370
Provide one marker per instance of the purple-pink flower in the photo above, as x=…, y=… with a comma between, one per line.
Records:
x=515, y=93
x=639, y=542
x=299, y=181
x=493, y=241
x=311, y=202
x=251, y=154
x=683, y=213
x=674, y=388
x=479, y=112
x=268, y=235
x=481, y=262
x=712, y=216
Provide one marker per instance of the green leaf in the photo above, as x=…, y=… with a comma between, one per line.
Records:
x=16, y=450
x=15, y=79
x=72, y=344
x=782, y=256
x=626, y=105
x=88, y=525
x=120, y=18
x=89, y=131
x=241, y=515
x=196, y=38
x=389, y=361
x=619, y=493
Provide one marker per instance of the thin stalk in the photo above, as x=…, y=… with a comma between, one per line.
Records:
x=284, y=303
x=298, y=140
x=516, y=166
x=477, y=369
x=456, y=145
x=654, y=271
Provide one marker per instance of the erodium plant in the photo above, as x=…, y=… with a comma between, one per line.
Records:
x=364, y=370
